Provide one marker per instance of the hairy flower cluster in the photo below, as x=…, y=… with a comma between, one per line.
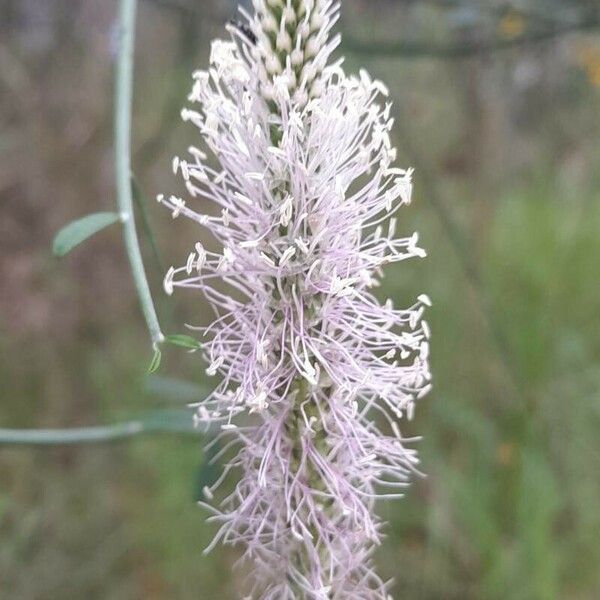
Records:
x=292, y=42
x=304, y=191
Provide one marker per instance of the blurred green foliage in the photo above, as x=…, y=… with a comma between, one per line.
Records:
x=508, y=508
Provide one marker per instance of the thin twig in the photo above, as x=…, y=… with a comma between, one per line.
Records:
x=404, y=49
x=493, y=10
x=123, y=97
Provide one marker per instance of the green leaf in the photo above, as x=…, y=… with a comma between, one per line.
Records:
x=78, y=231
x=155, y=362
x=185, y=341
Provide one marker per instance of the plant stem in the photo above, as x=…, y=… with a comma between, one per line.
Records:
x=71, y=435
x=122, y=131
x=148, y=423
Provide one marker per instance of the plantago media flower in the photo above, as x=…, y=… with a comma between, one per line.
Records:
x=305, y=193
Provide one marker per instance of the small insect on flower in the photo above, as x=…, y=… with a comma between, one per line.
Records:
x=315, y=372
x=243, y=29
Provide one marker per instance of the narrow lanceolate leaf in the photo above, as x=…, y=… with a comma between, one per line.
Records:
x=141, y=203
x=74, y=233
x=185, y=341
x=155, y=362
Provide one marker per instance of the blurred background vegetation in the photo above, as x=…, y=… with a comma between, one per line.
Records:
x=497, y=107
